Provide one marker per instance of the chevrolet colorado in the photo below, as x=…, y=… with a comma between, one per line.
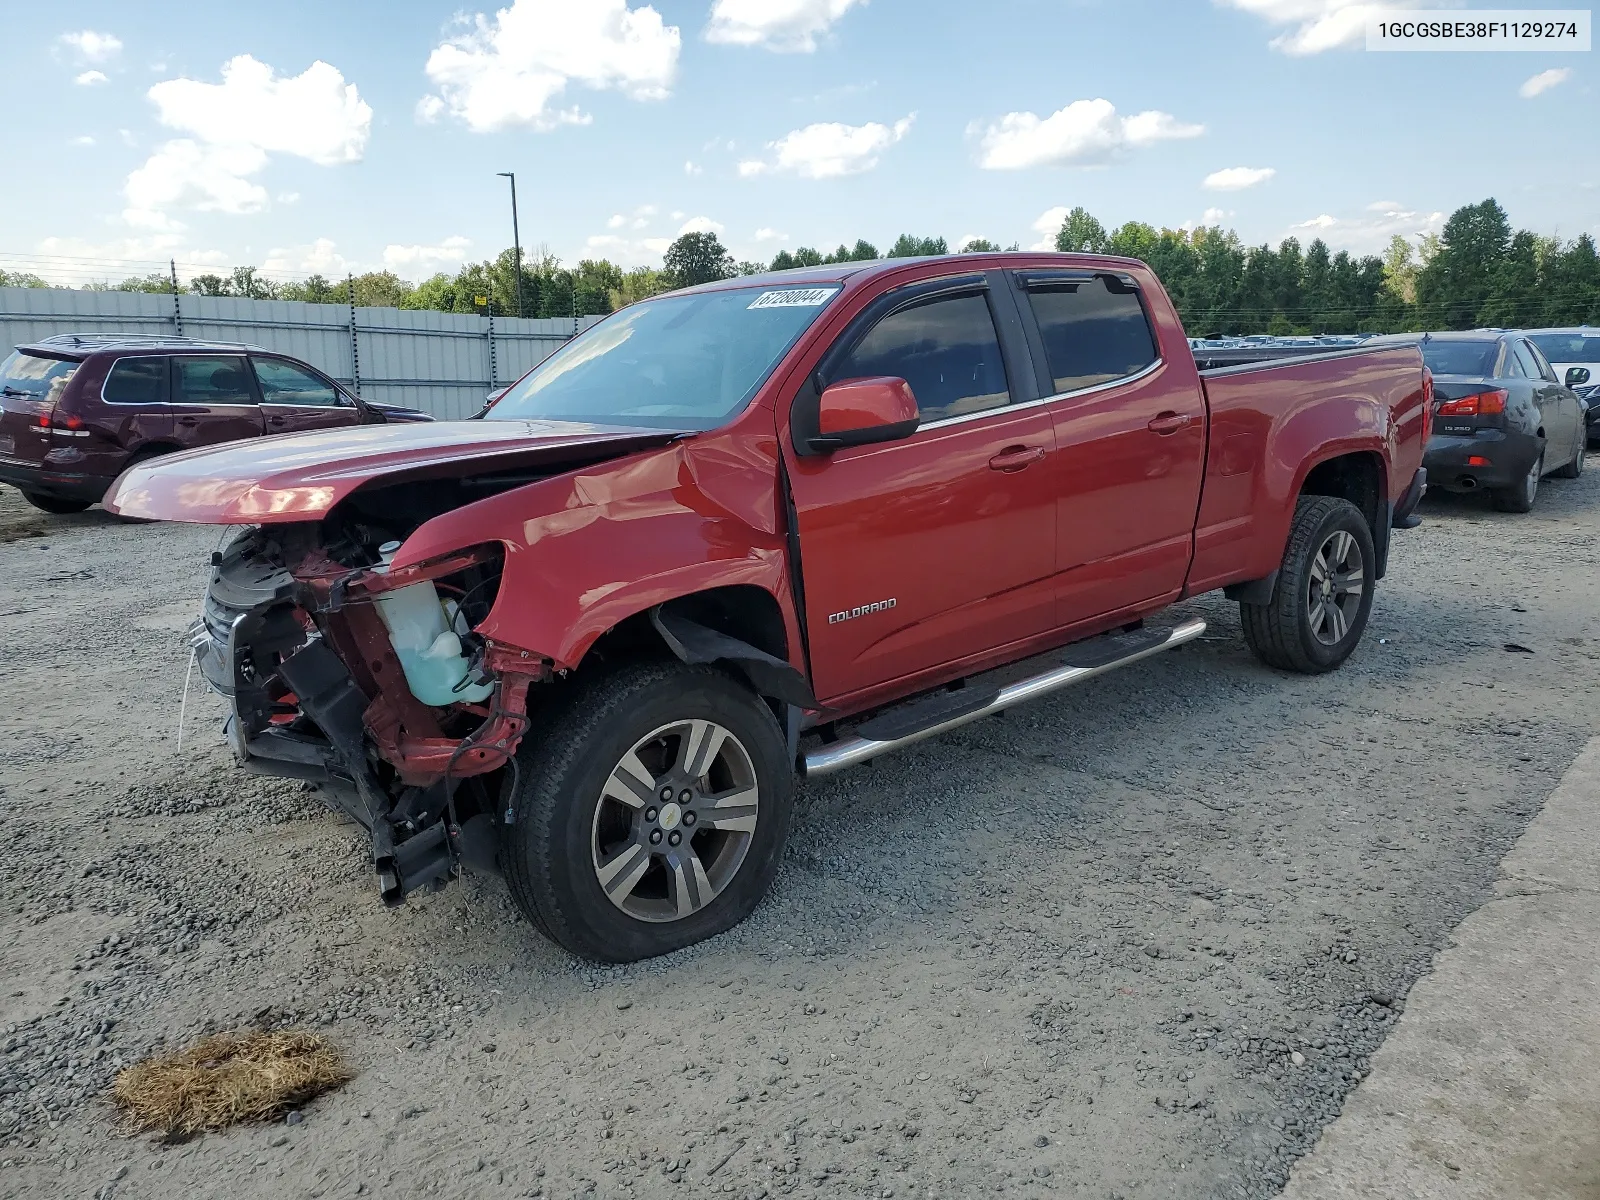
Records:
x=764, y=529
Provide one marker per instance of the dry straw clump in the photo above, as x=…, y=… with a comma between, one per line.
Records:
x=229, y=1078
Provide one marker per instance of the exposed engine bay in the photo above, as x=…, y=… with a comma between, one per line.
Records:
x=308, y=632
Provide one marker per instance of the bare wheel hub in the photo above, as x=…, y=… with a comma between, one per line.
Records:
x=674, y=820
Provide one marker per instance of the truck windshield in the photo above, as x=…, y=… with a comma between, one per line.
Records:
x=676, y=362
x=1568, y=347
x=35, y=377
x=1460, y=358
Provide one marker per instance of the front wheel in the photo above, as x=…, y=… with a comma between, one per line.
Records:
x=1323, y=595
x=650, y=814
x=55, y=504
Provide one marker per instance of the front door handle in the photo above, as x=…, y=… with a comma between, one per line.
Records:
x=1015, y=458
x=1168, y=422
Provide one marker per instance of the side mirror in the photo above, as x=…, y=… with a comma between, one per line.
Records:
x=1577, y=376
x=860, y=412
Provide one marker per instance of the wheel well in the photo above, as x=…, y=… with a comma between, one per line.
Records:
x=741, y=611
x=152, y=449
x=1357, y=478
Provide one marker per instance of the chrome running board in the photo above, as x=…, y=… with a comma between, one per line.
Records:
x=1094, y=660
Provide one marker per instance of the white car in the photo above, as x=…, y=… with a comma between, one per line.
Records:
x=1574, y=354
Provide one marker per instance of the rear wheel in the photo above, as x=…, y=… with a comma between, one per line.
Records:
x=1519, y=497
x=1574, y=468
x=55, y=504
x=1323, y=594
x=650, y=814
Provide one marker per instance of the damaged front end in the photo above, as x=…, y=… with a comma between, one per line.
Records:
x=323, y=651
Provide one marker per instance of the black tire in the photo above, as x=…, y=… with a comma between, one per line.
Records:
x=1519, y=497
x=55, y=504
x=1286, y=632
x=1574, y=469
x=551, y=853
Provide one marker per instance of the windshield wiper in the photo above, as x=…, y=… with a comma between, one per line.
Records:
x=11, y=391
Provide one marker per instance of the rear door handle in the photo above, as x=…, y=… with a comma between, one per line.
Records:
x=1015, y=458
x=1168, y=422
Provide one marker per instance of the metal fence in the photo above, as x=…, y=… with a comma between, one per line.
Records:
x=442, y=363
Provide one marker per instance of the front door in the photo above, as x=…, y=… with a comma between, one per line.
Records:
x=1130, y=445
x=921, y=552
x=294, y=399
x=213, y=400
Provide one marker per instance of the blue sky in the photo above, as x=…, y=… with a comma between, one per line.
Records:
x=778, y=123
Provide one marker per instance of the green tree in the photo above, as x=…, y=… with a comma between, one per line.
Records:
x=697, y=258
x=156, y=281
x=1081, y=233
x=640, y=284
x=209, y=285
x=314, y=289
x=374, y=289
x=906, y=246
x=980, y=246
x=1458, y=280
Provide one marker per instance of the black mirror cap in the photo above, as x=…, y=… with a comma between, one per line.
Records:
x=827, y=443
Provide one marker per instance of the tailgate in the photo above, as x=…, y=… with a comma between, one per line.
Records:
x=29, y=388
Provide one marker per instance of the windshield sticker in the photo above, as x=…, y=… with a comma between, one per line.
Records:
x=794, y=298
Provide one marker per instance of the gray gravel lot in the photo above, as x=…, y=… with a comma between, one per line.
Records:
x=1137, y=940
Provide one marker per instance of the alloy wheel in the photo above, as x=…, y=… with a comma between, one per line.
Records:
x=675, y=820
x=1338, y=581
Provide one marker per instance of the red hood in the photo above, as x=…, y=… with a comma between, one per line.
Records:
x=300, y=476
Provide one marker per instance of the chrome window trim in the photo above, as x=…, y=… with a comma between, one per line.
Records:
x=1026, y=404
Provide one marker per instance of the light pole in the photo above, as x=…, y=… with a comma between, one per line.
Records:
x=516, y=238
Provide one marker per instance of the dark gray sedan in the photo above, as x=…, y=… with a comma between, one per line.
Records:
x=1502, y=420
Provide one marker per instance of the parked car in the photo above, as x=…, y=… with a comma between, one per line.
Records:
x=765, y=527
x=1574, y=355
x=78, y=409
x=1503, y=421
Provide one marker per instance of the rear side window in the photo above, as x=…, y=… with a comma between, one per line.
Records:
x=946, y=349
x=1525, y=360
x=218, y=379
x=34, y=377
x=1092, y=333
x=284, y=383
x=136, y=381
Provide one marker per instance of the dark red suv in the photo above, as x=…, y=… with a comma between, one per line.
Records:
x=78, y=409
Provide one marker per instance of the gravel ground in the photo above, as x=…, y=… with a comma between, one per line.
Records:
x=1136, y=940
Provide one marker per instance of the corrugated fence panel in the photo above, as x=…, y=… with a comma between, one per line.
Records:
x=438, y=362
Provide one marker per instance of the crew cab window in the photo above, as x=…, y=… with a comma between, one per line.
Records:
x=945, y=348
x=136, y=381
x=282, y=383
x=1094, y=331
x=213, y=380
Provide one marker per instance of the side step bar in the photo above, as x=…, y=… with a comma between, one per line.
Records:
x=1082, y=661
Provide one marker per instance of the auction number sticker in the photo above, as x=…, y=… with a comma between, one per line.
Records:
x=794, y=298
x=1480, y=29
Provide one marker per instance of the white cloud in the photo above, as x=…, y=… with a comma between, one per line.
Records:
x=156, y=247
x=288, y=197
x=692, y=168
x=237, y=125
x=1544, y=81
x=90, y=78
x=427, y=260
x=617, y=221
x=770, y=235
x=1318, y=25
x=1370, y=232
x=83, y=140
x=321, y=257
x=1236, y=179
x=428, y=110
x=701, y=225
x=829, y=149
x=93, y=47
x=1047, y=225
x=510, y=70
x=1084, y=132
x=1209, y=219
x=783, y=25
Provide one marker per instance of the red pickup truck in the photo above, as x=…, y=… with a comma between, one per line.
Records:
x=768, y=528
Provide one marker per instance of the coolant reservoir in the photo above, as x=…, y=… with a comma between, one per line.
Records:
x=429, y=649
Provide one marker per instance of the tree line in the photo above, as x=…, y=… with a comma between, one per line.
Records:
x=1477, y=271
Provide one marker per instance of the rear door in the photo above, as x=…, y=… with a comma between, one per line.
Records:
x=213, y=399
x=922, y=552
x=1130, y=442
x=1560, y=424
x=295, y=398
x=1571, y=406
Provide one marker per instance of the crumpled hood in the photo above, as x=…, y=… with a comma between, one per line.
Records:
x=301, y=476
